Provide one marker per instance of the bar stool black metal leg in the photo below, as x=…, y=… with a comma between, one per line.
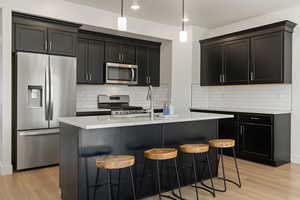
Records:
x=109, y=185
x=210, y=174
x=195, y=176
x=132, y=183
x=223, y=171
x=178, y=179
x=143, y=177
x=96, y=183
x=237, y=169
x=87, y=179
x=158, y=179
x=119, y=181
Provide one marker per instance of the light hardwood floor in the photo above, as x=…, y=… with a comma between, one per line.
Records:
x=260, y=182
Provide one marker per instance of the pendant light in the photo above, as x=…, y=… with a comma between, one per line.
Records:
x=135, y=5
x=183, y=34
x=122, y=21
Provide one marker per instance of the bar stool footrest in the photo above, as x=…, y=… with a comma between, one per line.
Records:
x=218, y=190
x=206, y=188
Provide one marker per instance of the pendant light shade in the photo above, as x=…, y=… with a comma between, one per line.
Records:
x=183, y=36
x=122, y=21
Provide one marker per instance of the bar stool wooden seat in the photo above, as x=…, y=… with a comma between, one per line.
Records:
x=196, y=149
x=159, y=155
x=221, y=144
x=119, y=162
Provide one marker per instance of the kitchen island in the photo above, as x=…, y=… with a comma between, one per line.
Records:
x=128, y=135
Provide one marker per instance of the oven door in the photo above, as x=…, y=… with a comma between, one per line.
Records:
x=121, y=74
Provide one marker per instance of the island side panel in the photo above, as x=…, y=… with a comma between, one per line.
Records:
x=68, y=164
x=125, y=140
x=192, y=133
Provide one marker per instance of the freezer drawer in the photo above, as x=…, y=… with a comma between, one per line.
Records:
x=37, y=148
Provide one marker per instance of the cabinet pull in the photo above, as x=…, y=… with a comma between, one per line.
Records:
x=46, y=45
x=50, y=45
x=242, y=130
x=220, y=78
x=223, y=78
x=122, y=56
x=252, y=76
x=90, y=76
x=86, y=76
x=119, y=57
x=255, y=118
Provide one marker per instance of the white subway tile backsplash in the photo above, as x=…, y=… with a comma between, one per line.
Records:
x=277, y=97
x=87, y=95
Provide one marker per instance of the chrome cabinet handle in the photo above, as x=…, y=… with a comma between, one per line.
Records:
x=242, y=129
x=255, y=118
x=50, y=45
x=220, y=78
x=46, y=45
x=223, y=78
x=132, y=74
x=90, y=76
x=252, y=76
x=51, y=94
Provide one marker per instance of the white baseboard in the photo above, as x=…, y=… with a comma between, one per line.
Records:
x=296, y=159
x=6, y=169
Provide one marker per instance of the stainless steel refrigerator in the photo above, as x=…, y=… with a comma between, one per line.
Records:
x=46, y=90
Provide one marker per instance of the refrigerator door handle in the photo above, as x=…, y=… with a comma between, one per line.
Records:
x=47, y=93
x=39, y=132
x=51, y=95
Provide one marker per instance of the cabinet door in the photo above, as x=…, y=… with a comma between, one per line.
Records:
x=256, y=141
x=211, y=65
x=142, y=62
x=82, y=61
x=267, y=58
x=96, y=62
x=128, y=54
x=31, y=38
x=154, y=66
x=62, y=42
x=228, y=129
x=236, y=62
x=112, y=52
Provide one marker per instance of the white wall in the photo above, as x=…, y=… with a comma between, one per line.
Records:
x=292, y=14
x=181, y=54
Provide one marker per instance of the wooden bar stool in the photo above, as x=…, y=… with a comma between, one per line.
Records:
x=162, y=154
x=196, y=149
x=221, y=144
x=116, y=162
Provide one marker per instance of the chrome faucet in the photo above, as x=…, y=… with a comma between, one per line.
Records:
x=150, y=99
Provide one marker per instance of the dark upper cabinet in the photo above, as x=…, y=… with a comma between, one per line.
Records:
x=236, y=62
x=142, y=62
x=90, y=62
x=30, y=38
x=119, y=53
x=154, y=66
x=267, y=58
x=113, y=52
x=211, y=62
x=41, y=35
x=62, y=42
x=148, y=61
x=259, y=55
x=128, y=54
x=96, y=61
x=82, y=61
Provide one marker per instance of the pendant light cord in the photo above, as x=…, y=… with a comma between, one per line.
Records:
x=182, y=15
x=122, y=8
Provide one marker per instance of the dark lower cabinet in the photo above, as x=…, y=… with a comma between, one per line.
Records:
x=30, y=38
x=263, y=138
x=255, y=141
x=90, y=62
x=62, y=42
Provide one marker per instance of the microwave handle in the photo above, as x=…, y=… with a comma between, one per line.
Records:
x=133, y=74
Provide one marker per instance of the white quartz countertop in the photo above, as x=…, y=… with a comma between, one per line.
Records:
x=245, y=110
x=92, y=110
x=97, y=122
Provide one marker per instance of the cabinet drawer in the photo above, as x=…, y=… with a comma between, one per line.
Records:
x=256, y=118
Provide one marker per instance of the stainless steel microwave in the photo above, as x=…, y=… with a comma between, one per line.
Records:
x=117, y=73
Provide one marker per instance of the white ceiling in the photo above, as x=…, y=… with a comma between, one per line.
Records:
x=204, y=13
